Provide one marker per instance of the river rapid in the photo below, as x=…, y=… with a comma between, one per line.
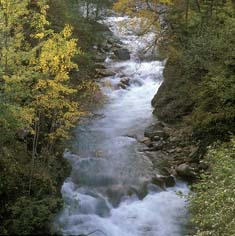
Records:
x=109, y=191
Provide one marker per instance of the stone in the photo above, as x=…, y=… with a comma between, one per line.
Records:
x=146, y=141
x=122, y=54
x=123, y=86
x=158, y=145
x=171, y=151
x=156, y=138
x=158, y=181
x=154, y=188
x=169, y=181
x=153, y=131
x=185, y=171
x=164, y=181
x=100, y=65
x=125, y=81
x=104, y=72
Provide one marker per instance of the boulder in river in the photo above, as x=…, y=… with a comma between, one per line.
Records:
x=154, y=131
x=124, y=83
x=163, y=181
x=185, y=171
x=146, y=141
x=122, y=54
x=104, y=72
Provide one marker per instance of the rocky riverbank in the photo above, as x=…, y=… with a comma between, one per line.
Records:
x=173, y=149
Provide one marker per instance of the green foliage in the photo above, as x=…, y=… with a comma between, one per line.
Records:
x=42, y=96
x=21, y=213
x=209, y=59
x=200, y=46
x=213, y=204
x=37, y=214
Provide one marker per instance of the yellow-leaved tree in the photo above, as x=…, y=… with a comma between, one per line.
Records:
x=35, y=65
x=52, y=91
x=15, y=75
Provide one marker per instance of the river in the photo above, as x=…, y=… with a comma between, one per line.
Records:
x=109, y=191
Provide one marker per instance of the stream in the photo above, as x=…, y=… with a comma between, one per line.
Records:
x=109, y=191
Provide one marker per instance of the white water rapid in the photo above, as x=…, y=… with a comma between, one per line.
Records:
x=109, y=192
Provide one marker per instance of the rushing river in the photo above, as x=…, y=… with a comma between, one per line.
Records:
x=106, y=192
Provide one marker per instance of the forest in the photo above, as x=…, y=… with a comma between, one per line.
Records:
x=53, y=58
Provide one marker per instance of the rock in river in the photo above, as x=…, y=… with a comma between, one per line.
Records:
x=185, y=171
x=153, y=131
x=122, y=54
x=163, y=181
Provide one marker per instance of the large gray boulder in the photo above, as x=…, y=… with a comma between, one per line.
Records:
x=122, y=54
x=163, y=181
x=185, y=171
x=156, y=131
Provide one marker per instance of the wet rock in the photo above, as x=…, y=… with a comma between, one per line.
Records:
x=154, y=188
x=122, y=54
x=140, y=192
x=125, y=81
x=171, y=151
x=102, y=208
x=133, y=136
x=185, y=171
x=146, y=141
x=115, y=194
x=155, y=130
x=179, y=149
x=104, y=72
x=169, y=181
x=173, y=171
x=123, y=86
x=100, y=65
x=156, y=138
x=158, y=145
x=164, y=181
x=99, y=154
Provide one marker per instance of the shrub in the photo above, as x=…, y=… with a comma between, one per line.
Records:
x=213, y=205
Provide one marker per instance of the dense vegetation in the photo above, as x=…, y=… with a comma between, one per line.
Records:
x=214, y=205
x=197, y=38
x=46, y=85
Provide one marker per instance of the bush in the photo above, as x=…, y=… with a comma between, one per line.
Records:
x=30, y=217
x=213, y=205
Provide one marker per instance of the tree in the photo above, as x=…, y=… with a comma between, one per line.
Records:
x=14, y=77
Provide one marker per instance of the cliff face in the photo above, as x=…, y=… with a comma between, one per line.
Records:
x=172, y=104
x=173, y=100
